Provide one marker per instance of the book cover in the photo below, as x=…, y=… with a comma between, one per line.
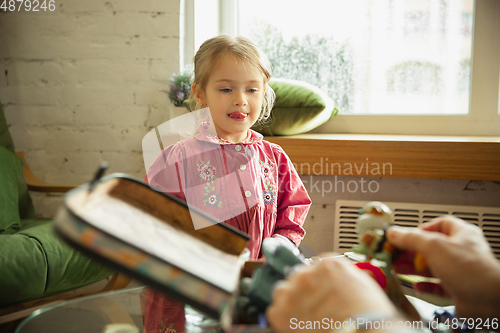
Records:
x=151, y=237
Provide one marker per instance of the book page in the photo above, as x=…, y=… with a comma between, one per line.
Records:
x=159, y=239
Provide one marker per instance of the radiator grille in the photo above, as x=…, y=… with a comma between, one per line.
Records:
x=412, y=215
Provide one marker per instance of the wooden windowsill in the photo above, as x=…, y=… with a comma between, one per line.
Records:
x=408, y=156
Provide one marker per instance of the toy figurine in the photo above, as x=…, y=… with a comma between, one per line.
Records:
x=375, y=218
x=282, y=257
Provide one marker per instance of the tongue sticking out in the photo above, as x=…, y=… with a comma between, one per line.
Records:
x=238, y=115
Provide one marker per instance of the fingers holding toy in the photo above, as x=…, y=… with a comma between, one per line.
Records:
x=411, y=263
x=413, y=239
x=447, y=224
x=432, y=247
x=448, y=244
x=439, y=234
x=457, y=253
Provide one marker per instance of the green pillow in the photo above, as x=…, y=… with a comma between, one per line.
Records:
x=300, y=107
x=5, y=138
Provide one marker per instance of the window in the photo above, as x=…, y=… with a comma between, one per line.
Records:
x=391, y=66
x=416, y=23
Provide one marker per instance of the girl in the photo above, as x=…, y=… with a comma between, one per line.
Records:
x=227, y=169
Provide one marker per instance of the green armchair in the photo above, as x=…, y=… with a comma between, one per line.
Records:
x=36, y=267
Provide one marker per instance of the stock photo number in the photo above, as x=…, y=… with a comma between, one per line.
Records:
x=28, y=5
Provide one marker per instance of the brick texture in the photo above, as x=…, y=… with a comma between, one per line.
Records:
x=80, y=85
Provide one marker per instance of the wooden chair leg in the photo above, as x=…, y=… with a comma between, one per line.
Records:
x=118, y=281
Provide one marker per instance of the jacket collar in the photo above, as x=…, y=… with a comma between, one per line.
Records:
x=206, y=132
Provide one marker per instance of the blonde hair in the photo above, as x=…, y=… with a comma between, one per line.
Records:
x=213, y=49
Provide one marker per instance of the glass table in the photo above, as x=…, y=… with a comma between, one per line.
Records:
x=121, y=311
x=118, y=311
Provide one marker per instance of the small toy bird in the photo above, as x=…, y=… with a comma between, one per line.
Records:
x=375, y=218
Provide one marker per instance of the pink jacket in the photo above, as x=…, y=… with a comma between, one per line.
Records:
x=251, y=185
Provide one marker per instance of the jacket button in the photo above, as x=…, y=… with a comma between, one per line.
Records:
x=243, y=167
x=237, y=147
x=248, y=194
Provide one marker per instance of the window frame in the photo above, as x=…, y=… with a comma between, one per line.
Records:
x=484, y=107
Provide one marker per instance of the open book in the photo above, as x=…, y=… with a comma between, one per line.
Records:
x=150, y=236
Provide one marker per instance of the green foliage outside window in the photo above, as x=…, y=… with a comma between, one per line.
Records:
x=314, y=59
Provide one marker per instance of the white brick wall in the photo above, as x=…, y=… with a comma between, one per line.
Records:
x=80, y=85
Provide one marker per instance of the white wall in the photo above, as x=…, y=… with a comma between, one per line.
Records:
x=80, y=85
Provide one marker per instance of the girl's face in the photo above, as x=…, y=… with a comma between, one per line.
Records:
x=234, y=93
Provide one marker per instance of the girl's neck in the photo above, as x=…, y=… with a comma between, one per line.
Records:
x=235, y=137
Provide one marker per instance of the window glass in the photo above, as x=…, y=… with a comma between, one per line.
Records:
x=372, y=57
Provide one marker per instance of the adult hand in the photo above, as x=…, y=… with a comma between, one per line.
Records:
x=331, y=290
x=457, y=253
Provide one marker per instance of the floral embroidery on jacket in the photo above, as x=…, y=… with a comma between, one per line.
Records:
x=207, y=171
x=213, y=198
x=167, y=329
x=269, y=194
x=266, y=168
